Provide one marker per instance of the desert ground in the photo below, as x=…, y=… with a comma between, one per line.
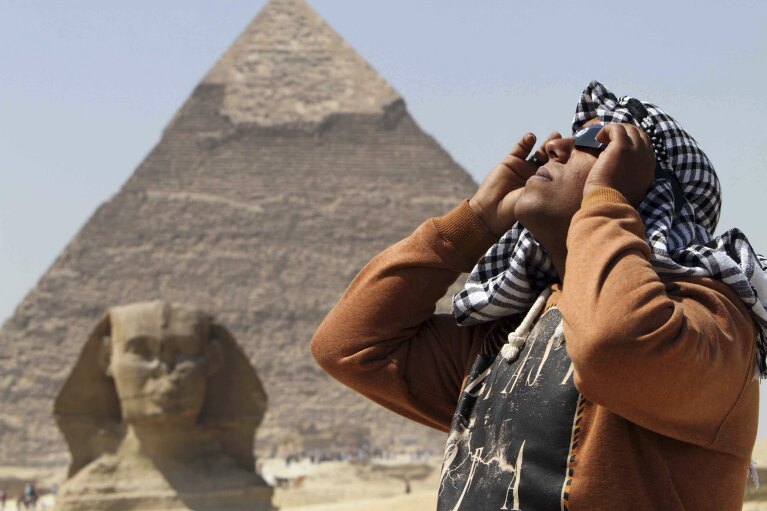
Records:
x=304, y=486
x=377, y=485
x=349, y=486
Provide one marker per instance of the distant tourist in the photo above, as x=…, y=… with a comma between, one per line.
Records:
x=30, y=496
x=603, y=351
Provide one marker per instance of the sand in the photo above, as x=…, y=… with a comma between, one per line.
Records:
x=347, y=486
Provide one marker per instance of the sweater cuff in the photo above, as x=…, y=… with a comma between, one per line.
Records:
x=603, y=195
x=463, y=229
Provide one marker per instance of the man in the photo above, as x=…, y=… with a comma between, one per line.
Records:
x=606, y=358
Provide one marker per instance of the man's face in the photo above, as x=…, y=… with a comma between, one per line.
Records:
x=552, y=196
x=159, y=362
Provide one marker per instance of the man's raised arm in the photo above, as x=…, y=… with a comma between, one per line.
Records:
x=383, y=338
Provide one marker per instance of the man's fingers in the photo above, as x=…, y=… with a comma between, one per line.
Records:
x=524, y=146
x=612, y=132
x=603, y=135
x=626, y=136
x=626, y=164
x=638, y=136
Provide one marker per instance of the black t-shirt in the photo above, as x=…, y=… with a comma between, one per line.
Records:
x=515, y=427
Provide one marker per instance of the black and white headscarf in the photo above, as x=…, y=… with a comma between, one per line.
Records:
x=680, y=213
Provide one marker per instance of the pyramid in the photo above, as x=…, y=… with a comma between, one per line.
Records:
x=291, y=164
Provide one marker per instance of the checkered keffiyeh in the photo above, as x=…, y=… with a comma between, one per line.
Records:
x=680, y=213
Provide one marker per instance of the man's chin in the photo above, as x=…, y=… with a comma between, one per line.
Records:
x=530, y=207
x=535, y=211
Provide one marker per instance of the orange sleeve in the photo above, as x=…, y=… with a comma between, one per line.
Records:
x=670, y=356
x=383, y=338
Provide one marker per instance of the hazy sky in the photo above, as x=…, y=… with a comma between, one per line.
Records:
x=87, y=86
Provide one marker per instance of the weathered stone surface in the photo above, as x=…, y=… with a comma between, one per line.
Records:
x=290, y=67
x=263, y=224
x=160, y=412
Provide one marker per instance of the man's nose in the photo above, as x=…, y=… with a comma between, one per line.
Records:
x=559, y=149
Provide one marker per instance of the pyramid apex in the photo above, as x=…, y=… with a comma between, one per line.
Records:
x=287, y=2
x=290, y=67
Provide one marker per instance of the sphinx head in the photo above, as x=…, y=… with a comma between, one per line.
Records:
x=163, y=365
x=160, y=357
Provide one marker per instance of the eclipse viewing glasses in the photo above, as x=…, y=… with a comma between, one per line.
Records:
x=587, y=137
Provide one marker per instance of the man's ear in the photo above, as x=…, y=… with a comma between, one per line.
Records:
x=214, y=356
x=105, y=356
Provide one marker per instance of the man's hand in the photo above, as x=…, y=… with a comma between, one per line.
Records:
x=627, y=164
x=495, y=199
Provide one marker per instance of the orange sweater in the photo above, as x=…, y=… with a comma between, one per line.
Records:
x=665, y=366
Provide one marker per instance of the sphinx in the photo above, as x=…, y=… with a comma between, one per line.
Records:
x=160, y=412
